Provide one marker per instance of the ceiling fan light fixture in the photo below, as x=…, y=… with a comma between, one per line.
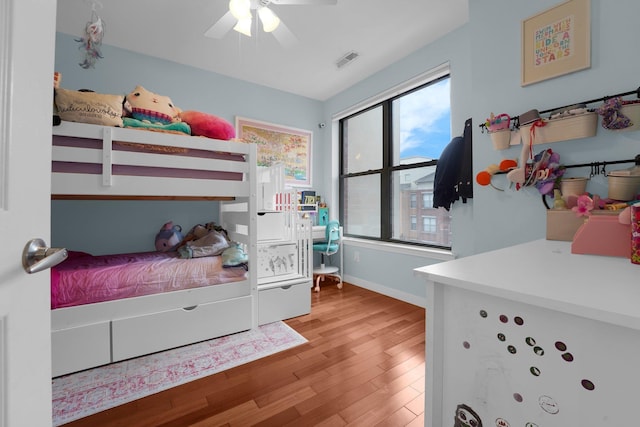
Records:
x=270, y=20
x=244, y=26
x=240, y=9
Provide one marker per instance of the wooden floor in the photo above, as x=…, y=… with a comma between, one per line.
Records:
x=363, y=366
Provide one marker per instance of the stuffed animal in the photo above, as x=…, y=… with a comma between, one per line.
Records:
x=234, y=256
x=203, y=124
x=169, y=237
x=150, y=107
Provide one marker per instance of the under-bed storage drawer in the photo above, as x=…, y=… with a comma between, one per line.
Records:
x=278, y=301
x=154, y=332
x=83, y=347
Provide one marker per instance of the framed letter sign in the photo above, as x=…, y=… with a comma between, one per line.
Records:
x=556, y=41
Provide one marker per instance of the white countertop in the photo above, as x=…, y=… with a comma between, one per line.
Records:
x=546, y=274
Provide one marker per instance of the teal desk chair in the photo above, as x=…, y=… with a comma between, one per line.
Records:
x=330, y=246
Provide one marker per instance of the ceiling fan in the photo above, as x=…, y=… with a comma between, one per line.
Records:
x=240, y=18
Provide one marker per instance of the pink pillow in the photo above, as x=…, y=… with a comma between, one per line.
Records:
x=203, y=124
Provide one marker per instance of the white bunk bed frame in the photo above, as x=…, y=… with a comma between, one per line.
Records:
x=91, y=335
x=282, y=233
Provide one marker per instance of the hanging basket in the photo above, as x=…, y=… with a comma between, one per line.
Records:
x=500, y=122
x=562, y=129
x=632, y=111
x=501, y=139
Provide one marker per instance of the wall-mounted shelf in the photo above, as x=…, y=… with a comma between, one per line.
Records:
x=515, y=120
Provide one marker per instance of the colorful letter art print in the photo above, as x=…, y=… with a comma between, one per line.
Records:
x=279, y=144
x=556, y=42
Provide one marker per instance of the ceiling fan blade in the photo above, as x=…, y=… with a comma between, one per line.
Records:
x=306, y=2
x=284, y=36
x=222, y=27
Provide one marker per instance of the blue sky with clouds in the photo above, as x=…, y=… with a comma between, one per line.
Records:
x=425, y=121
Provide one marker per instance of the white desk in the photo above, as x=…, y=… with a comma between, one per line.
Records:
x=533, y=335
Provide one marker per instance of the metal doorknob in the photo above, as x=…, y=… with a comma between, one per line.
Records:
x=36, y=256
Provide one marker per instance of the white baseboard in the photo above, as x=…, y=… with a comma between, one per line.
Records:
x=385, y=290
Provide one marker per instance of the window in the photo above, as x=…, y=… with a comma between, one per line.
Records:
x=427, y=200
x=429, y=224
x=388, y=155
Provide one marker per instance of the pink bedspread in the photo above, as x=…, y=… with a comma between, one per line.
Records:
x=86, y=279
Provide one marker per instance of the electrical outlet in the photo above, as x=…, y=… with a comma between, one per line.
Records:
x=356, y=256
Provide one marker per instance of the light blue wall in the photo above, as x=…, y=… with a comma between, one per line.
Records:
x=385, y=270
x=107, y=227
x=484, y=56
x=84, y=225
x=485, y=68
x=506, y=218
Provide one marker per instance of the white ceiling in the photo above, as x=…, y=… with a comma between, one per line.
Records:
x=381, y=31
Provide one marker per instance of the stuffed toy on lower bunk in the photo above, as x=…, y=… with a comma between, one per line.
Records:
x=235, y=256
x=212, y=243
x=204, y=240
x=169, y=237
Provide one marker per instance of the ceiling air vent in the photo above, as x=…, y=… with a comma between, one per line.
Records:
x=347, y=59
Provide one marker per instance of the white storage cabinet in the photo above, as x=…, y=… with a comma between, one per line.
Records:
x=532, y=335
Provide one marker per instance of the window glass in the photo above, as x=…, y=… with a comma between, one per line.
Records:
x=427, y=200
x=362, y=206
x=422, y=124
x=406, y=210
x=364, y=133
x=429, y=224
x=389, y=157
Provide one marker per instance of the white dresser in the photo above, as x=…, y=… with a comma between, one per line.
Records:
x=532, y=335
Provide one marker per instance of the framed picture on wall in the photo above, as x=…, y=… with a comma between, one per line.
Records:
x=280, y=144
x=556, y=42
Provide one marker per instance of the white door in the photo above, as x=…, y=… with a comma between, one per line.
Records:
x=27, y=43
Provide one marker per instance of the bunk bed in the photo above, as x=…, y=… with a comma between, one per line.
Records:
x=285, y=264
x=109, y=163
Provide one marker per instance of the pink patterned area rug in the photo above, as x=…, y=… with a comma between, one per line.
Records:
x=88, y=392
